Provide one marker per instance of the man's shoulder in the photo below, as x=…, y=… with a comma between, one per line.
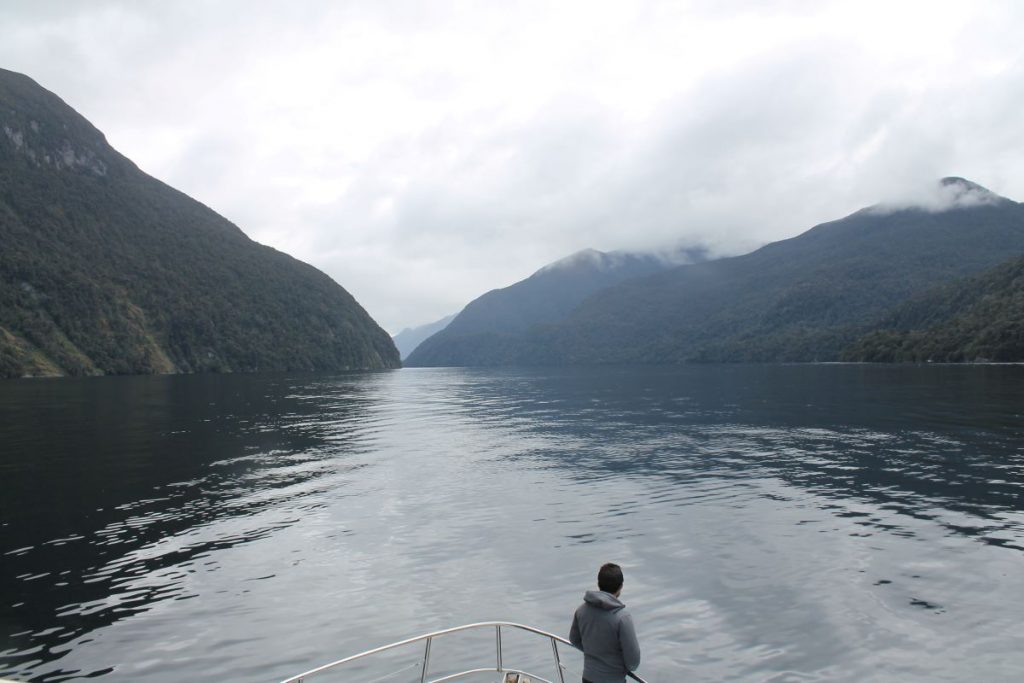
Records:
x=622, y=613
x=614, y=614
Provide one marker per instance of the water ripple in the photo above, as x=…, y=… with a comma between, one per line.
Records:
x=776, y=523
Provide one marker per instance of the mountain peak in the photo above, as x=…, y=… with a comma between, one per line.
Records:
x=947, y=194
x=963, y=188
x=959, y=193
x=961, y=182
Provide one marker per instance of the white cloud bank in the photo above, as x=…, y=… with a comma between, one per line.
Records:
x=423, y=153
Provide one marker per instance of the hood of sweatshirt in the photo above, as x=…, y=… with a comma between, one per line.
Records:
x=602, y=600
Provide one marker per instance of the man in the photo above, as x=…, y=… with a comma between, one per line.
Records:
x=603, y=629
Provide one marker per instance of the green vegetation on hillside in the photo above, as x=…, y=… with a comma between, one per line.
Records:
x=105, y=270
x=975, y=319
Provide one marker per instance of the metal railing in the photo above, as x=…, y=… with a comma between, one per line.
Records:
x=429, y=638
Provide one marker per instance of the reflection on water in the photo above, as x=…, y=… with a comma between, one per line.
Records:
x=841, y=523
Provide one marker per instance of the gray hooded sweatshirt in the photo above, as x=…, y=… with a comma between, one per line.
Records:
x=603, y=629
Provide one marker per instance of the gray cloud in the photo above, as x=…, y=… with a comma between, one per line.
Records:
x=422, y=153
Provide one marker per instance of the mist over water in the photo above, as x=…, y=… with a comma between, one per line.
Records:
x=775, y=523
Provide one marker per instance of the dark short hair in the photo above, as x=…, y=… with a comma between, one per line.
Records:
x=609, y=578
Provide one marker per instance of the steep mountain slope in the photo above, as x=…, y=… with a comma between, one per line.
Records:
x=499, y=319
x=801, y=299
x=104, y=269
x=408, y=339
x=974, y=319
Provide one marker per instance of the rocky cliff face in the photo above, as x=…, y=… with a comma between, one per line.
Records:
x=104, y=269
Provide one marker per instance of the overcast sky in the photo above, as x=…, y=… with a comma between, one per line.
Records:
x=422, y=153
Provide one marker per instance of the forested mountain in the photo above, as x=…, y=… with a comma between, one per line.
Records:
x=408, y=339
x=801, y=299
x=974, y=319
x=104, y=269
x=500, y=318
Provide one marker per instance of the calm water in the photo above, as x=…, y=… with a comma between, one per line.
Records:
x=776, y=523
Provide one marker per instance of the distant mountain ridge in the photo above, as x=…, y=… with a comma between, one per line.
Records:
x=104, y=269
x=802, y=299
x=408, y=339
x=501, y=317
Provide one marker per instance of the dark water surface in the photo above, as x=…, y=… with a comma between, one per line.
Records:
x=776, y=523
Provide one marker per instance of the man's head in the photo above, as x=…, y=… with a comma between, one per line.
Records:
x=609, y=578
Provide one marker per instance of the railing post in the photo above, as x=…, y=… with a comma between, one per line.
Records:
x=497, y=634
x=558, y=661
x=426, y=662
